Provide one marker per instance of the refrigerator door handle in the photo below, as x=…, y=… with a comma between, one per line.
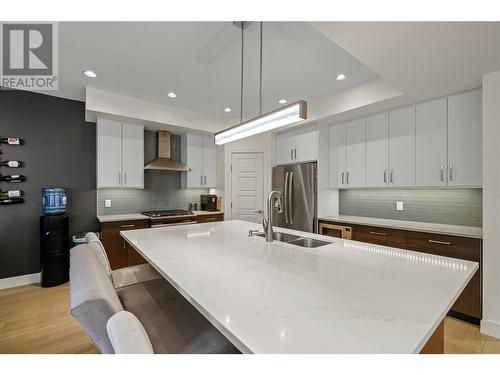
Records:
x=290, y=205
x=285, y=200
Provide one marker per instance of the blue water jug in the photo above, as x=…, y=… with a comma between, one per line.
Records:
x=53, y=201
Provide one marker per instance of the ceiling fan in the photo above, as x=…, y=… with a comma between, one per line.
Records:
x=230, y=32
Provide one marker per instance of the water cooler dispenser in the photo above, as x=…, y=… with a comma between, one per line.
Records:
x=54, y=238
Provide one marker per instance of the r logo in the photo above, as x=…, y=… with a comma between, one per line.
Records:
x=27, y=49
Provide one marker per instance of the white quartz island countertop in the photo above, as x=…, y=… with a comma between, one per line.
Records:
x=346, y=297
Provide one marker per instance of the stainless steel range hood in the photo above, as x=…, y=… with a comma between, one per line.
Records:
x=164, y=162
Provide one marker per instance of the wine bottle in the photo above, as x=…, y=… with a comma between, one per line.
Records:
x=11, y=200
x=12, y=141
x=11, y=194
x=12, y=178
x=11, y=163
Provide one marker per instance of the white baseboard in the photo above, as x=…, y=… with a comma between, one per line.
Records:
x=12, y=282
x=490, y=328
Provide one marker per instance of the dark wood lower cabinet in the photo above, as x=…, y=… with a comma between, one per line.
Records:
x=468, y=306
x=381, y=236
x=209, y=218
x=120, y=253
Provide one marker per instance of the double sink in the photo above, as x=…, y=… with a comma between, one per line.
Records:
x=296, y=240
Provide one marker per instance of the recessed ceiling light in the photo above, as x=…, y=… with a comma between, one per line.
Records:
x=341, y=77
x=227, y=109
x=172, y=94
x=282, y=101
x=89, y=73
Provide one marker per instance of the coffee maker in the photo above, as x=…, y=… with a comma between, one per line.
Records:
x=208, y=202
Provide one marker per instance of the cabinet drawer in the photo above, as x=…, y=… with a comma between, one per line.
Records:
x=448, y=246
x=381, y=236
x=209, y=218
x=119, y=253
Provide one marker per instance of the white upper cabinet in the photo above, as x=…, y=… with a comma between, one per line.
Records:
x=297, y=146
x=430, y=143
x=120, y=154
x=199, y=154
x=336, y=155
x=133, y=155
x=210, y=161
x=401, y=171
x=465, y=139
x=355, y=160
x=377, y=150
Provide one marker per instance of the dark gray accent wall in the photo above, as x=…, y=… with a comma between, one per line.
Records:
x=60, y=151
x=441, y=205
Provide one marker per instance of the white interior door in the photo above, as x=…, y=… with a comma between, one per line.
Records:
x=247, y=186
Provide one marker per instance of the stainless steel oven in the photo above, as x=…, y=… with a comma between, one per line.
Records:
x=335, y=230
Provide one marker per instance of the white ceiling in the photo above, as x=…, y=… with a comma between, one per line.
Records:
x=423, y=60
x=148, y=59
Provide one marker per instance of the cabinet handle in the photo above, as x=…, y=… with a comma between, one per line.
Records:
x=440, y=242
x=209, y=218
x=385, y=176
x=392, y=176
x=378, y=233
x=125, y=178
x=201, y=179
x=451, y=172
x=119, y=178
x=205, y=180
x=295, y=154
x=127, y=226
x=347, y=178
x=342, y=178
x=442, y=174
x=291, y=153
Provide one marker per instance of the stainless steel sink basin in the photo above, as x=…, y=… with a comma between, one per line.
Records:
x=309, y=242
x=283, y=237
x=296, y=240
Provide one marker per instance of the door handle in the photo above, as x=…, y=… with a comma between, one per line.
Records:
x=285, y=190
x=258, y=211
x=290, y=205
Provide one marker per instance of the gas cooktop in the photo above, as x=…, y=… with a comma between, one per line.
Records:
x=163, y=213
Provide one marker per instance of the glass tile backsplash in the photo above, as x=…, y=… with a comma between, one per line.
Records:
x=162, y=191
x=444, y=206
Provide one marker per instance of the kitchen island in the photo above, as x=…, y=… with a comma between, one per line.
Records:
x=345, y=297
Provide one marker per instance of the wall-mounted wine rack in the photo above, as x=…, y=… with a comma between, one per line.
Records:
x=11, y=196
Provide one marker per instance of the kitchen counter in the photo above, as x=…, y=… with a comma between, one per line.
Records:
x=345, y=297
x=452, y=230
x=124, y=217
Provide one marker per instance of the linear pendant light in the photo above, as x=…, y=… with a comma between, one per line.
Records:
x=278, y=118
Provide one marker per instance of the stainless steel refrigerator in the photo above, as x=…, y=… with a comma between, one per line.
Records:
x=298, y=186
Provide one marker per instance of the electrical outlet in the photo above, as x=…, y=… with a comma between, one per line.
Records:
x=399, y=206
x=107, y=203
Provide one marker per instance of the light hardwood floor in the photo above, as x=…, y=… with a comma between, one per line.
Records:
x=37, y=320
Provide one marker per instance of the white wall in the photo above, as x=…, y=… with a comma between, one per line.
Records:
x=490, y=323
x=264, y=143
